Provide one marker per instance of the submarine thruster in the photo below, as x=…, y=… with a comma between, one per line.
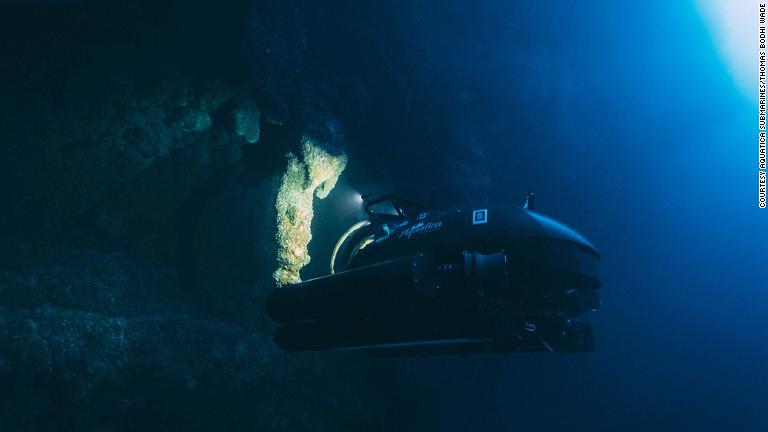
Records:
x=415, y=281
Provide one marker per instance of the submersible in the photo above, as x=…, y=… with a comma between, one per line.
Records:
x=414, y=281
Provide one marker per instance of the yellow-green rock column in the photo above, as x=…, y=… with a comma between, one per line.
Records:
x=315, y=174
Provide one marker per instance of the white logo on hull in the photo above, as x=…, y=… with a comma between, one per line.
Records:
x=421, y=228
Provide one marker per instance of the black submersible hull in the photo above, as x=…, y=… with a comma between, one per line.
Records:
x=503, y=279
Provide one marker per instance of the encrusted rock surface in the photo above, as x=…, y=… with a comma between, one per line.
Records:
x=91, y=341
x=315, y=175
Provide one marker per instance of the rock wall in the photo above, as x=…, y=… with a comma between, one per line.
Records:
x=141, y=149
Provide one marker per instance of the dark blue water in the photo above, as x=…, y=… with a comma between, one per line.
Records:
x=626, y=120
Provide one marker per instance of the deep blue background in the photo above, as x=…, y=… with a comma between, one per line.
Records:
x=624, y=119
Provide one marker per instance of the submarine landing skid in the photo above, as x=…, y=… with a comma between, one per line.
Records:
x=576, y=337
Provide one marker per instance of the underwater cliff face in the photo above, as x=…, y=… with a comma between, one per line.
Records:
x=141, y=155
